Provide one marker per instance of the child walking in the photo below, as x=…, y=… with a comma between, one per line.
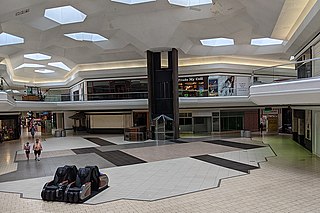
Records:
x=27, y=149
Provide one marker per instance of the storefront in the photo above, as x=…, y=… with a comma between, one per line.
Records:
x=117, y=89
x=10, y=127
x=193, y=86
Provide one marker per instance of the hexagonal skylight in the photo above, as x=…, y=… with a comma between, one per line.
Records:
x=65, y=15
x=83, y=36
x=37, y=56
x=217, y=42
x=8, y=39
x=60, y=65
x=28, y=65
x=265, y=41
x=190, y=3
x=44, y=71
x=131, y=2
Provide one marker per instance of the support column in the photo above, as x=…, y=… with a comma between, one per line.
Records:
x=163, y=96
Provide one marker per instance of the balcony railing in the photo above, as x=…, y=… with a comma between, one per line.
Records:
x=287, y=72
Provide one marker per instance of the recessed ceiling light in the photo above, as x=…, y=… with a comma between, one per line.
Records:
x=83, y=36
x=27, y=65
x=59, y=65
x=189, y=3
x=65, y=15
x=44, y=71
x=12, y=91
x=265, y=41
x=37, y=56
x=8, y=39
x=131, y=2
x=217, y=42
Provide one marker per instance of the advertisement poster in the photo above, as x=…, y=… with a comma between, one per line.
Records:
x=242, y=86
x=226, y=86
x=213, y=86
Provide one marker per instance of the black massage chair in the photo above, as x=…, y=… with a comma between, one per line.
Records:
x=88, y=183
x=54, y=190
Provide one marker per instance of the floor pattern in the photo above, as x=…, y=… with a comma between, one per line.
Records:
x=286, y=183
x=144, y=171
x=241, y=167
x=99, y=141
x=233, y=144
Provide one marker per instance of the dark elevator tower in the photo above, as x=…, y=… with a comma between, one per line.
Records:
x=163, y=97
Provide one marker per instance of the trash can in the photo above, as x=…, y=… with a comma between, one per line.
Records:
x=57, y=133
x=242, y=133
x=63, y=133
x=247, y=134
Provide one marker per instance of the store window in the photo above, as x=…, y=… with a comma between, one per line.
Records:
x=185, y=122
x=231, y=121
x=76, y=95
x=117, y=89
x=304, y=69
x=193, y=86
x=216, y=122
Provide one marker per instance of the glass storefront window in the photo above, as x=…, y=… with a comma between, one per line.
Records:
x=117, y=89
x=231, y=121
x=193, y=86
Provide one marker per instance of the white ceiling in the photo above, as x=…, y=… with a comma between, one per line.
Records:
x=133, y=29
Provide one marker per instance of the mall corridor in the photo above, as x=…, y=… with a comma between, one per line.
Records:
x=286, y=182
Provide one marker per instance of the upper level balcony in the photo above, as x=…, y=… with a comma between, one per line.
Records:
x=298, y=89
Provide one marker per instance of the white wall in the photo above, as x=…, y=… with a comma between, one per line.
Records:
x=110, y=121
x=68, y=123
x=316, y=132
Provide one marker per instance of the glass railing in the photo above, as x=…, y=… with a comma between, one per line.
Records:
x=287, y=72
x=4, y=86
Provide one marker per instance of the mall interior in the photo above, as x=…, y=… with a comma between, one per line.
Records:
x=183, y=105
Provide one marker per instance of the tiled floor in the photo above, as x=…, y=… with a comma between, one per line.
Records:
x=288, y=182
x=178, y=150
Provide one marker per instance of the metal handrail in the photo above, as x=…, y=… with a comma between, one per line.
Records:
x=291, y=63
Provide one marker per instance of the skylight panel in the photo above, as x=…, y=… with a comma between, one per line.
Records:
x=84, y=36
x=8, y=39
x=60, y=65
x=189, y=3
x=266, y=41
x=28, y=65
x=65, y=15
x=131, y=2
x=37, y=56
x=217, y=42
x=44, y=71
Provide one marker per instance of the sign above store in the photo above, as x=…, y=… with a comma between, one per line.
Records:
x=191, y=79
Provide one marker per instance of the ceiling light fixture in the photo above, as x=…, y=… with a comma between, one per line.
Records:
x=44, y=71
x=266, y=41
x=132, y=2
x=28, y=65
x=8, y=39
x=84, y=36
x=37, y=56
x=65, y=15
x=217, y=42
x=189, y=3
x=60, y=65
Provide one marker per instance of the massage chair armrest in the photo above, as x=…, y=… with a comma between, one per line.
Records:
x=85, y=191
x=63, y=183
x=70, y=185
x=104, y=181
x=47, y=184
